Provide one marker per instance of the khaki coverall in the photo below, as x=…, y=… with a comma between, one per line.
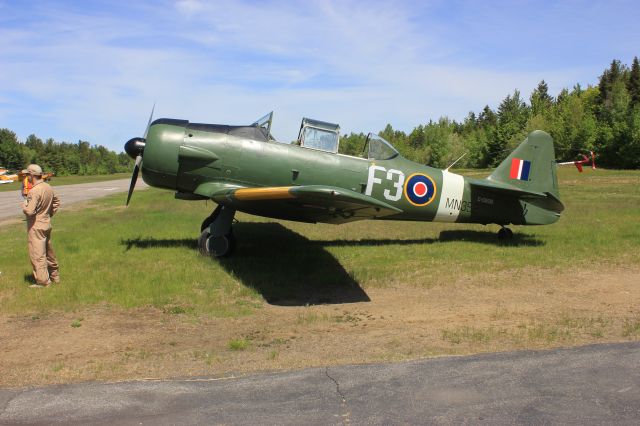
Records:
x=40, y=205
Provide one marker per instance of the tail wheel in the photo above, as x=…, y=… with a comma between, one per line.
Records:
x=505, y=234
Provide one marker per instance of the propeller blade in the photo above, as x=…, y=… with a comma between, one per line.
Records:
x=134, y=177
x=135, y=147
x=146, y=131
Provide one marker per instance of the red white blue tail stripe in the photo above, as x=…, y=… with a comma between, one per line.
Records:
x=520, y=169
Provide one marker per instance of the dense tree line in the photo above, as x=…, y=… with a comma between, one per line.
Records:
x=603, y=118
x=60, y=157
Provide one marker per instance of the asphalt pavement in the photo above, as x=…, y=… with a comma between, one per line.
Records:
x=10, y=201
x=597, y=384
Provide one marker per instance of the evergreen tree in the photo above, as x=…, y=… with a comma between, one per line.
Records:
x=512, y=118
x=416, y=139
x=634, y=82
x=609, y=79
x=35, y=143
x=540, y=100
x=487, y=118
x=577, y=89
x=481, y=149
x=470, y=123
x=631, y=150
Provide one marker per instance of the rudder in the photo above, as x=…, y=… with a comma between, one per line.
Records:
x=531, y=166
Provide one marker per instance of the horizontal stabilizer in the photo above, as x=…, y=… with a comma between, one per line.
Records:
x=502, y=188
x=545, y=199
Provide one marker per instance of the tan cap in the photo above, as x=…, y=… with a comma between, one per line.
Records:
x=33, y=169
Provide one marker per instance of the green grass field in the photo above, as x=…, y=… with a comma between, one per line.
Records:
x=146, y=255
x=69, y=180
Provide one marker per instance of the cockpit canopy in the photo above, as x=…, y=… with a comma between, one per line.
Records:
x=379, y=148
x=324, y=136
x=264, y=124
x=320, y=135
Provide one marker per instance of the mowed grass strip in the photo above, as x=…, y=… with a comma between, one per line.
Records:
x=146, y=254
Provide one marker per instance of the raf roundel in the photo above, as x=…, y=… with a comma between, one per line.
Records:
x=420, y=189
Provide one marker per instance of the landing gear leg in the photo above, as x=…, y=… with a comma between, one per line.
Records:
x=505, y=234
x=216, y=239
x=209, y=220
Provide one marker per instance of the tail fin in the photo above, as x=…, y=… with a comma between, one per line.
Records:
x=531, y=166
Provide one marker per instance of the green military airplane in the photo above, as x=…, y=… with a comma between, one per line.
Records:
x=243, y=168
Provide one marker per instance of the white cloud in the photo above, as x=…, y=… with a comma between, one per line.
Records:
x=94, y=74
x=189, y=7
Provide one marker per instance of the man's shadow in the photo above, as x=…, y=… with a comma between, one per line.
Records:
x=29, y=279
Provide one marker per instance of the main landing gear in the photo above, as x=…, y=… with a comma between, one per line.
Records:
x=216, y=238
x=505, y=233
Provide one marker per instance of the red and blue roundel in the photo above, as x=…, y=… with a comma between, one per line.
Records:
x=419, y=189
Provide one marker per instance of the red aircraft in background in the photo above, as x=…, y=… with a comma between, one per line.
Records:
x=585, y=160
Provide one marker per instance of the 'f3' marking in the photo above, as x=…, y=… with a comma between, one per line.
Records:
x=398, y=182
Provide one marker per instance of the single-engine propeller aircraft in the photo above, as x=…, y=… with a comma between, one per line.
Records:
x=243, y=168
x=581, y=162
x=7, y=177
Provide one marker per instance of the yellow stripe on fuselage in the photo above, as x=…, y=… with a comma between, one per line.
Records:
x=274, y=193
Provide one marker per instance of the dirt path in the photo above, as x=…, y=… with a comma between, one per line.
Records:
x=483, y=314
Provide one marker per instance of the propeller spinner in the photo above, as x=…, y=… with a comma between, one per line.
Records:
x=135, y=148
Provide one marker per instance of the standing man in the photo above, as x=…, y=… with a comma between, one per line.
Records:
x=40, y=205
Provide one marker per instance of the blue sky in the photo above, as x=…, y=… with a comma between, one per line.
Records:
x=92, y=70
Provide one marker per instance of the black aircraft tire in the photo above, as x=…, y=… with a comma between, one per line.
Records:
x=203, y=247
x=221, y=246
x=502, y=234
x=209, y=220
x=216, y=247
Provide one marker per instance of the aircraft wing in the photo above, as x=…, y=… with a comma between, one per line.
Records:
x=544, y=199
x=311, y=203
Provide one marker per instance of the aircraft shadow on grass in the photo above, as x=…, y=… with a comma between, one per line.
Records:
x=483, y=237
x=487, y=237
x=290, y=270
x=282, y=265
